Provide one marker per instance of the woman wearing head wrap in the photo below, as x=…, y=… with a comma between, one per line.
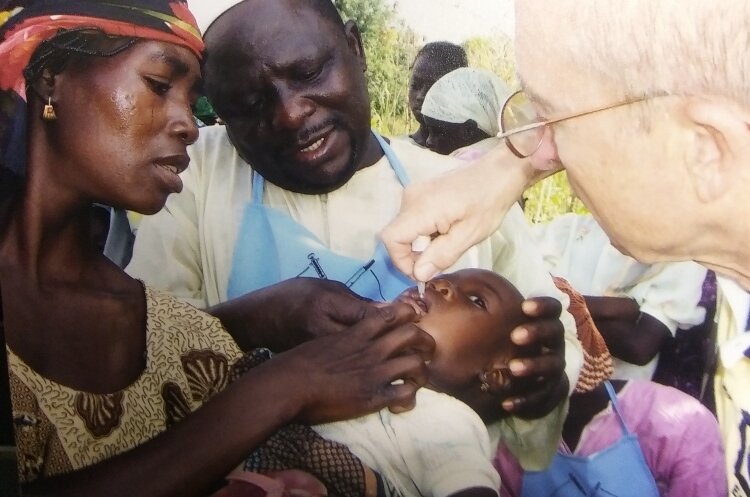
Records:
x=461, y=110
x=110, y=379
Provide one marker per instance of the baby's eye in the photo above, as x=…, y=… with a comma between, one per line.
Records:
x=478, y=301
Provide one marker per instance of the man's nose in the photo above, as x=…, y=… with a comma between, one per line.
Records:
x=291, y=110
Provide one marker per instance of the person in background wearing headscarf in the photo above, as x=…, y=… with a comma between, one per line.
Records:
x=433, y=61
x=110, y=380
x=460, y=112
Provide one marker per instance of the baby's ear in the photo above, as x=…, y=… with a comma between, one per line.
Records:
x=497, y=374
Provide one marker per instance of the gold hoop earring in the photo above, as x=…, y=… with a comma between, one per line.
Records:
x=48, y=114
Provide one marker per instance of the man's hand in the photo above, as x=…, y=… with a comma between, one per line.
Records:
x=458, y=210
x=538, y=380
x=291, y=312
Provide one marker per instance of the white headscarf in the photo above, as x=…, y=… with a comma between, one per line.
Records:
x=467, y=93
x=206, y=12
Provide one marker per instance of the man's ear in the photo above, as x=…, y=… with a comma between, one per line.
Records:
x=721, y=137
x=354, y=40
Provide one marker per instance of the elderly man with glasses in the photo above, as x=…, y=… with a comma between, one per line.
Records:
x=646, y=105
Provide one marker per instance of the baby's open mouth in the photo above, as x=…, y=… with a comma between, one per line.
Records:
x=411, y=297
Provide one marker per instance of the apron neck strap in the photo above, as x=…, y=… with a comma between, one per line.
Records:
x=393, y=160
x=259, y=184
x=616, y=407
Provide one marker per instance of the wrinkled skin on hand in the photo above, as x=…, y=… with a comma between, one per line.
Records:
x=345, y=375
x=538, y=381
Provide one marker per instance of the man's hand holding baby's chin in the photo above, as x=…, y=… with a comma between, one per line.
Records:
x=538, y=381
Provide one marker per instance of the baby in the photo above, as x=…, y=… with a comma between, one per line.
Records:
x=470, y=314
x=442, y=447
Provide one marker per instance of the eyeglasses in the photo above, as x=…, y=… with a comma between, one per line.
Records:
x=522, y=130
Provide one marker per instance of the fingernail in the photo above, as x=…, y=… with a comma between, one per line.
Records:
x=520, y=336
x=425, y=271
x=517, y=367
x=508, y=405
x=529, y=307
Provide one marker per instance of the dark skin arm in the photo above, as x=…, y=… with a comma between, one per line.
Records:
x=538, y=383
x=284, y=315
x=583, y=408
x=631, y=335
x=331, y=378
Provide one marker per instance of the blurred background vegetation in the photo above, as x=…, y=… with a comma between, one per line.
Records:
x=390, y=47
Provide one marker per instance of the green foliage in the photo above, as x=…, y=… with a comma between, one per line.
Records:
x=372, y=16
x=204, y=111
x=390, y=48
x=551, y=198
x=495, y=54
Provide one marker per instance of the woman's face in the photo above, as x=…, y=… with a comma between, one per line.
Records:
x=124, y=124
x=445, y=138
x=425, y=72
x=469, y=314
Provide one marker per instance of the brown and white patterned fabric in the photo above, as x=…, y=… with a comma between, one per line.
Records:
x=299, y=447
x=189, y=358
x=597, y=361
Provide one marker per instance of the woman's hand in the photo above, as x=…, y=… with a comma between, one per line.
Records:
x=284, y=315
x=377, y=363
x=538, y=380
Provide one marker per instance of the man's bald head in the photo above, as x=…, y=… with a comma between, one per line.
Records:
x=646, y=47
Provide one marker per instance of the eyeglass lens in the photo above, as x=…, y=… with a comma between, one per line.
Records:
x=518, y=112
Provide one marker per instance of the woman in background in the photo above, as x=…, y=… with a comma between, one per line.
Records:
x=460, y=112
x=433, y=61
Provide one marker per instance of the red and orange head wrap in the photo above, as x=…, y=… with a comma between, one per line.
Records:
x=22, y=29
x=26, y=24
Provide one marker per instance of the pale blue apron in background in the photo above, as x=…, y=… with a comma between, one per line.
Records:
x=272, y=247
x=619, y=470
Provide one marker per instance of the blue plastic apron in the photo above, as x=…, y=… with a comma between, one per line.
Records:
x=272, y=247
x=620, y=470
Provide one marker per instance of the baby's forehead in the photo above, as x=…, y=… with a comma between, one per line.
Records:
x=489, y=278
